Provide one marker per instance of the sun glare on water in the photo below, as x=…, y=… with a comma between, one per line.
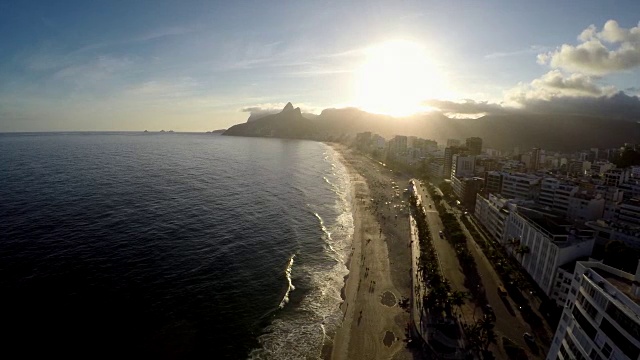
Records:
x=396, y=77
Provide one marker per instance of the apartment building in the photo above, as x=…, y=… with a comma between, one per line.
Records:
x=555, y=194
x=493, y=182
x=492, y=211
x=629, y=212
x=520, y=186
x=550, y=241
x=608, y=230
x=462, y=166
x=601, y=317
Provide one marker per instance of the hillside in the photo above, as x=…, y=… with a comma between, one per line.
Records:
x=506, y=131
x=289, y=123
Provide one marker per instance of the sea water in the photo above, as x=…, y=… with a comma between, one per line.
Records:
x=170, y=245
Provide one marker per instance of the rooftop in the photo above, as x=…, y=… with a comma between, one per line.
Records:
x=623, y=284
x=555, y=226
x=571, y=266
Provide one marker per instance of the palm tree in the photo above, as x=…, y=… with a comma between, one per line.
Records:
x=513, y=242
x=457, y=298
x=522, y=250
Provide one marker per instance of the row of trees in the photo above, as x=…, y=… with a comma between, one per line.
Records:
x=456, y=237
x=516, y=280
x=509, y=271
x=438, y=288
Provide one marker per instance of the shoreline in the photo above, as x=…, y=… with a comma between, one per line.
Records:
x=373, y=325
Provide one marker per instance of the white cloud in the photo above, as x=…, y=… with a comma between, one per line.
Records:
x=574, y=84
x=467, y=107
x=555, y=84
x=530, y=50
x=611, y=50
x=95, y=69
x=271, y=108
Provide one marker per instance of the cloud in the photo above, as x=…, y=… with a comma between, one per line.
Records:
x=260, y=110
x=618, y=105
x=95, y=69
x=530, y=50
x=553, y=93
x=164, y=88
x=574, y=84
x=556, y=84
x=467, y=107
x=256, y=112
x=603, y=52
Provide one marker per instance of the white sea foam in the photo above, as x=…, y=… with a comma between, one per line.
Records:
x=300, y=332
x=287, y=272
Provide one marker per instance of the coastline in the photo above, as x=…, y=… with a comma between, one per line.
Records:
x=373, y=325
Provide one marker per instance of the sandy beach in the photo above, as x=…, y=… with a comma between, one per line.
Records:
x=374, y=325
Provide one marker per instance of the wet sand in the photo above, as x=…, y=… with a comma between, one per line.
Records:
x=373, y=324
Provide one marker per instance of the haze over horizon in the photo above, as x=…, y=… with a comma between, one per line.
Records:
x=199, y=66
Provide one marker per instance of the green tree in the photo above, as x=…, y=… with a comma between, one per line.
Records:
x=457, y=298
x=621, y=256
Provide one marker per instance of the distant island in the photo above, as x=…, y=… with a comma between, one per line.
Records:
x=561, y=132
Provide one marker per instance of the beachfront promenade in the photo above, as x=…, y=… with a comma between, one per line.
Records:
x=384, y=268
x=509, y=322
x=424, y=324
x=374, y=325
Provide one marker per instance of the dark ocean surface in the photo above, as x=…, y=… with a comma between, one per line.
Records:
x=170, y=246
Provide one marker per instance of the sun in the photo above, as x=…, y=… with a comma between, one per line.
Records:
x=396, y=77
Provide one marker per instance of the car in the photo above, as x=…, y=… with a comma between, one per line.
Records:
x=501, y=290
x=529, y=338
x=525, y=308
x=489, y=313
x=441, y=234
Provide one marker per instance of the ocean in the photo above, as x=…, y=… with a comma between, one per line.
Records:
x=170, y=245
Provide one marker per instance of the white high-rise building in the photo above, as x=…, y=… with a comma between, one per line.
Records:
x=520, y=186
x=629, y=212
x=492, y=212
x=555, y=194
x=549, y=240
x=601, y=317
x=462, y=166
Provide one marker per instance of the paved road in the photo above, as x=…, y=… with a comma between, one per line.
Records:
x=508, y=323
x=481, y=258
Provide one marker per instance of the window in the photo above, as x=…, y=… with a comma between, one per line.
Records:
x=606, y=350
x=626, y=346
x=584, y=323
x=624, y=321
x=574, y=349
x=594, y=355
x=586, y=305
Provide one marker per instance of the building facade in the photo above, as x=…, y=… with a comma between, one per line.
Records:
x=601, y=317
x=549, y=240
x=474, y=144
x=520, y=186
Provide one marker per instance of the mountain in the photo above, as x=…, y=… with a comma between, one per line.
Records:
x=289, y=123
x=548, y=131
x=559, y=132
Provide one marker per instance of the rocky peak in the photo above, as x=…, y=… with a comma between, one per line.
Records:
x=288, y=107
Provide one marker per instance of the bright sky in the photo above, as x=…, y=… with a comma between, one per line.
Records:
x=203, y=65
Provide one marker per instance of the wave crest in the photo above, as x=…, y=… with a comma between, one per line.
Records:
x=290, y=288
